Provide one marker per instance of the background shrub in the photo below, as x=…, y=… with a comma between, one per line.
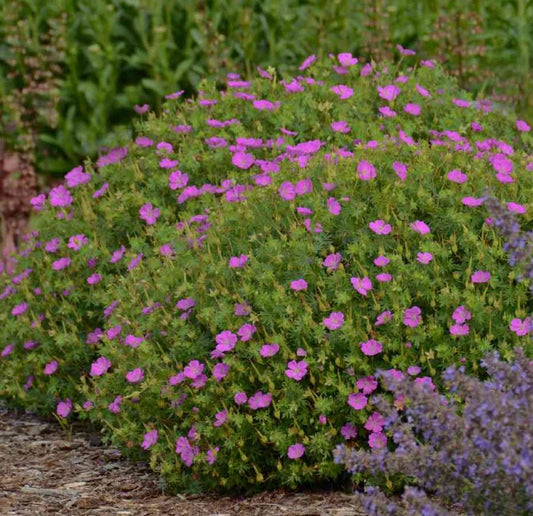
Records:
x=222, y=225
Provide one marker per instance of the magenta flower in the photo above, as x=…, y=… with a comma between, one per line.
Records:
x=236, y=262
x=193, y=369
x=346, y=59
x=100, y=366
x=260, y=400
x=371, y=347
x=287, y=191
x=332, y=261
x=101, y=191
x=480, y=277
x=362, y=285
x=243, y=160
x=269, y=350
x=383, y=318
x=349, y=431
x=135, y=261
x=424, y=258
x=384, y=277
x=114, y=406
x=295, y=451
x=296, y=370
x=412, y=109
x=459, y=329
x=366, y=171
x=177, y=179
x=299, y=284
x=380, y=227
x=7, y=350
x=135, y=375
x=76, y=242
x=340, y=126
x=220, y=371
x=344, y=92
x=64, y=408
x=246, y=332
x=141, y=109
x=185, y=304
x=266, y=105
x=516, y=208
x=422, y=91
x=60, y=197
x=77, y=177
x=400, y=170
x=149, y=439
x=456, y=176
x=167, y=163
x=375, y=422
x=117, y=255
x=61, y=264
x=412, y=316
x=226, y=341
x=389, y=92
x=472, y=202
x=220, y=418
x=38, y=202
x=51, y=367
x=240, y=398
x=19, y=309
x=377, y=440
x=94, y=279
x=132, y=341
x=149, y=214
x=522, y=126
x=419, y=226
x=333, y=206
x=461, y=314
x=307, y=62
x=387, y=112
x=521, y=327
x=304, y=186
x=413, y=370
x=334, y=321
x=381, y=261
x=357, y=401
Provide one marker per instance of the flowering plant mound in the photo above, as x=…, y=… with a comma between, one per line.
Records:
x=472, y=450
x=219, y=293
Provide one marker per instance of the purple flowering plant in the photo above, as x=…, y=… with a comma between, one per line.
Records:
x=246, y=268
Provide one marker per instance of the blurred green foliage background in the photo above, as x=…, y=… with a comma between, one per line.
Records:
x=72, y=70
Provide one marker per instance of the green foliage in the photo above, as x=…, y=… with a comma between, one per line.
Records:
x=114, y=55
x=186, y=254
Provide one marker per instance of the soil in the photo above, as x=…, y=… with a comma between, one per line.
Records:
x=46, y=470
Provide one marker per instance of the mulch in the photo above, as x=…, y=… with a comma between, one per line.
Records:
x=46, y=470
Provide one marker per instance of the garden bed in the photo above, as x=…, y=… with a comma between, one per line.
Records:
x=44, y=470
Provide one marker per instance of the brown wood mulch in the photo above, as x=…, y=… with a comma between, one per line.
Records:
x=44, y=470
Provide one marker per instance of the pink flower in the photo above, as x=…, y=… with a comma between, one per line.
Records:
x=226, y=341
x=7, y=350
x=349, y=431
x=132, y=341
x=344, y=92
x=371, y=347
x=117, y=255
x=149, y=214
x=389, y=92
x=246, y=332
x=418, y=226
x=77, y=177
x=334, y=321
x=60, y=197
x=19, y=309
x=240, y=398
x=236, y=262
x=383, y=318
x=64, y=408
x=304, y=186
x=135, y=261
x=38, y=202
x=367, y=384
x=168, y=163
x=265, y=105
x=516, y=208
x=362, y=285
x=400, y=170
x=94, y=279
x=51, y=367
x=61, y=264
x=308, y=61
x=114, y=406
x=480, y=277
x=287, y=191
x=243, y=160
x=381, y=261
x=260, y=400
x=377, y=440
x=387, y=112
x=299, y=284
x=357, y=401
x=135, y=375
x=456, y=176
x=413, y=370
x=100, y=366
x=375, y=422
x=149, y=439
x=380, y=227
x=422, y=91
x=220, y=418
x=332, y=261
x=366, y=171
x=412, y=109
x=76, y=242
x=459, y=329
x=461, y=314
x=521, y=327
x=269, y=350
x=472, y=201
x=384, y=277
x=412, y=317
x=296, y=370
x=424, y=258
x=193, y=369
x=220, y=371
x=340, y=127
x=177, y=179
x=522, y=126
x=295, y=451
x=346, y=59
x=333, y=206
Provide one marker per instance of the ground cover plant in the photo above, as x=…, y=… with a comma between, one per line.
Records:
x=472, y=450
x=219, y=293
